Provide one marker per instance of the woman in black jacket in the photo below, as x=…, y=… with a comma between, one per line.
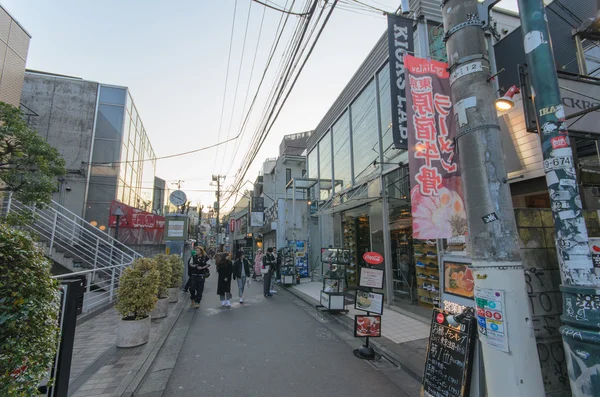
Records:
x=241, y=270
x=225, y=269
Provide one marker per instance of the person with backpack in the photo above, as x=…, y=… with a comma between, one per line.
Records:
x=268, y=268
x=241, y=270
x=198, y=271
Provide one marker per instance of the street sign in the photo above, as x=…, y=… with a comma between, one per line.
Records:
x=178, y=198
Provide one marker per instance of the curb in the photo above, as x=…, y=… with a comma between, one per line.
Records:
x=377, y=346
x=130, y=384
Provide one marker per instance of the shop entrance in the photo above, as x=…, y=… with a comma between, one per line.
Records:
x=357, y=238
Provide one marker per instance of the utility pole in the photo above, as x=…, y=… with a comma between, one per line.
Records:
x=495, y=254
x=217, y=178
x=580, y=286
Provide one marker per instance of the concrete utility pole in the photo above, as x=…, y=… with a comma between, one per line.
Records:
x=496, y=259
x=217, y=178
x=580, y=285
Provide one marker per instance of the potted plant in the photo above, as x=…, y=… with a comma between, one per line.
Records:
x=29, y=301
x=164, y=269
x=176, y=277
x=137, y=296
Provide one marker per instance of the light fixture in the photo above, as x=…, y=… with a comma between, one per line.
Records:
x=94, y=223
x=506, y=102
x=102, y=227
x=309, y=202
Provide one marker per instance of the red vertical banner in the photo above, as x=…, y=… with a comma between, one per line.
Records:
x=436, y=188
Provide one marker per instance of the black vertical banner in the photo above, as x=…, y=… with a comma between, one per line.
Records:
x=400, y=42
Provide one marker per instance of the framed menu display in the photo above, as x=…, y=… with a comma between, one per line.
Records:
x=449, y=357
x=370, y=278
x=369, y=326
x=371, y=302
x=458, y=279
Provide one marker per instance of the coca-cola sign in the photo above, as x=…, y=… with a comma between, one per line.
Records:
x=373, y=258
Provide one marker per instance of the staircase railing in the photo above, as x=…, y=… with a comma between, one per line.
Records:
x=101, y=257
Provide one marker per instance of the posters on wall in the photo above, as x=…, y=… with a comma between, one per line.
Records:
x=136, y=226
x=400, y=43
x=436, y=188
x=489, y=304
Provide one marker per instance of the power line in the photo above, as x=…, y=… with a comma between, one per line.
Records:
x=279, y=9
x=226, y=78
x=237, y=82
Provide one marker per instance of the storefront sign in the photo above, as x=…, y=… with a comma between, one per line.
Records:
x=369, y=302
x=175, y=228
x=400, y=43
x=491, y=323
x=458, y=279
x=436, y=188
x=232, y=225
x=373, y=258
x=449, y=357
x=371, y=278
x=367, y=326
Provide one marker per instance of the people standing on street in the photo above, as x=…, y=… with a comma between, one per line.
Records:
x=269, y=264
x=241, y=270
x=225, y=270
x=258, y=264
x=197, y=270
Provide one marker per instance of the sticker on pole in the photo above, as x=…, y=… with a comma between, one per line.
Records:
x=489, y=306
x=558, y=162
x=373, y=258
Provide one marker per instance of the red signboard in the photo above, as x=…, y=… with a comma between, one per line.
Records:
x=373, y=258
x=436, y=188
x=134, y=218
x=232, y=225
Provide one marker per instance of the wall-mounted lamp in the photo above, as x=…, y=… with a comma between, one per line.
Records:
x=506, y=102
x=309, y=202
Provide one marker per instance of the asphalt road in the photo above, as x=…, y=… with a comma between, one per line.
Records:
x=269, y=347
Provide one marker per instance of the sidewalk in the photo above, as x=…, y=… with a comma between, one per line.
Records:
x=100, y=369
x=404, y=338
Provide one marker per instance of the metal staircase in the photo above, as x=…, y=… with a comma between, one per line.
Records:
x=76, y=245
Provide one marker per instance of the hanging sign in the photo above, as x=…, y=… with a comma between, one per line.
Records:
x=449, y=357
x=438, y=209
x=373, y=258
x=400, y=43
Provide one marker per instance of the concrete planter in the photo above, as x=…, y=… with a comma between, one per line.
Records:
x=173, y=295
x=133, y=333
x=161, y=310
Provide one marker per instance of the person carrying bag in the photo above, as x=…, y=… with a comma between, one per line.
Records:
x=267, y=270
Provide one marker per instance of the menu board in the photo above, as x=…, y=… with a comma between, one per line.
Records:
x=449, y=357
x=369, y=326
x=371, y=278
x=458, y=279
x=368, y=301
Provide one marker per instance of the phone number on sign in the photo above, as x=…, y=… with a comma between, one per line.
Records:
x=558, y=162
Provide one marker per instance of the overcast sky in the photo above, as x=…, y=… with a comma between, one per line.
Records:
x=173, y=57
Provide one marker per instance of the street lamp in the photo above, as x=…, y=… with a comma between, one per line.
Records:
x=506, y=102
x=118, y=213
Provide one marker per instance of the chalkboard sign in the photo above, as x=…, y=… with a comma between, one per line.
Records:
x=449, y=357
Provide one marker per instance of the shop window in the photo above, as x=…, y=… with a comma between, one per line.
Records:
x=288, y=175
x=385, y=106
x=341, y=152
x=325, y=181
x=365, y=142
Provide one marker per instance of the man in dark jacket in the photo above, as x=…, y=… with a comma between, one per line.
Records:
x=241, y=270
x=197, y=270
x=270, y=261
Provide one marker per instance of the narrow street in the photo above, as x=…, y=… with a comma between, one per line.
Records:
x=269, y=347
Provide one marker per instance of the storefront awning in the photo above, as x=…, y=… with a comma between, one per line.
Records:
x=348, y=205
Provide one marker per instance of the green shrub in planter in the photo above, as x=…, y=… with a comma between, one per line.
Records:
x=138, y=289
x=29, y=301
x=177, y=270
x=164, y=268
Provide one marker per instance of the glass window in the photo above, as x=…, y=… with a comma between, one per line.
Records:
x=385, y=103
x=313, y=165
x=325, y=166
x=106, y=151
x=365, y=142
x=102, y=188
x=112, y=95
x=98, y=212
x=110, y=122
x=288, y=175
x=341, y=152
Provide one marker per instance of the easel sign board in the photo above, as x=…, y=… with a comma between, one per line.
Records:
x=367, y=326
x=371, y=278
x=367, y=301
x=449, y=357
x=332, y=301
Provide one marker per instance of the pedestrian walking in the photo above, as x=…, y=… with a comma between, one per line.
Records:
x=258, y=264
x=269, y=264
x=241, y=270
x=197, y=270
x=225, y=270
